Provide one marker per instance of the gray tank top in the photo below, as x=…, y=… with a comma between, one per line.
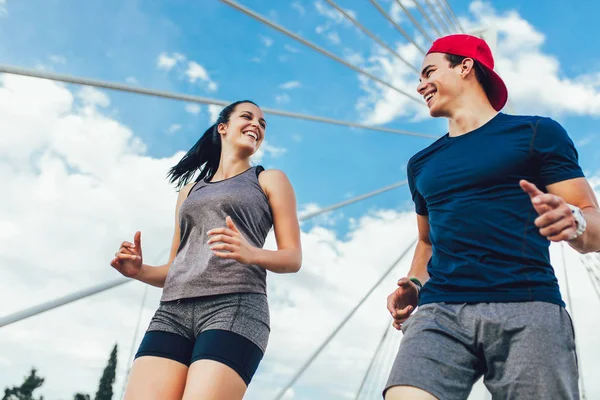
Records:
x=196, y=271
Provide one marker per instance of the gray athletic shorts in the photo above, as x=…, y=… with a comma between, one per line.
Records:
x=522, y=350
x=246, y=314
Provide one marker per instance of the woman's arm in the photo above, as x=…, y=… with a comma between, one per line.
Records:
x=288, y=256
x=130, y=255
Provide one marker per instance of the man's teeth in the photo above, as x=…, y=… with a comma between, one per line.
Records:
x=429, y=96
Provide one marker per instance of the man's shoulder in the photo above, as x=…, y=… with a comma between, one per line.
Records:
x=427, y=151
x=529, y=121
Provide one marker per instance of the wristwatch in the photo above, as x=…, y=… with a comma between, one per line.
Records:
x=580, y=221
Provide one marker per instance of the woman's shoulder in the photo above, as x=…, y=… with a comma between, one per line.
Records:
x=273, y=179
x=272, y=175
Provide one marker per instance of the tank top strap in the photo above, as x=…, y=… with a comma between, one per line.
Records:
x=258, y=169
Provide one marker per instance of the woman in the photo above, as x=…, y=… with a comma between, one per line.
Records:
x=212, y=326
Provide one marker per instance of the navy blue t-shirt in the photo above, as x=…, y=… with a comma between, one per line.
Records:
x=486, y=247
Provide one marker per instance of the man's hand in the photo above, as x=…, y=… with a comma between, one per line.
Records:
x=403, y=301
x=556, y=221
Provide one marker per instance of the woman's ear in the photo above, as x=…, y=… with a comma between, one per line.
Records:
x=222, y=128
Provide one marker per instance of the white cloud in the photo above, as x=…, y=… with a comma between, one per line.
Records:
x=193, y=108
x=535, y=81
x=213, y=112
x=534, y=78
x=290, y=85
x=68, y=170
x=353, y=57
x=131, y=80
x=333, y=37
x=291, y=48
x=396, y=12
x=93, y=97
x=55, y=58
x=383, y=104
x=3, y=9
x=196, y=71
x=81, y=188
x=586, y=140
x=333, y=18
x=79, y=183
x=298, y=7
x=267, y=149
x=332, y=14
x=167, y=62
x=173, y=128
x=266, y=41
x=193, y=71
x=326, y=220
x=283, y=98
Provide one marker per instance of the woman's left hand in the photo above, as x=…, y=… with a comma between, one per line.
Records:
x=231, y=240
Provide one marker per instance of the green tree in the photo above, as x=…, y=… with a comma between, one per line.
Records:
x=105, y=388
x=25, y=391
x=80, y=396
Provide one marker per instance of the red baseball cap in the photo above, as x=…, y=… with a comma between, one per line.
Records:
x=477, y=49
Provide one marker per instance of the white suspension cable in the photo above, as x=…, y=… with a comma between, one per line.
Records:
x=447, y=16
x=414, y=21
x=593, y=272
x=439, y=19
x=386, y=332
x=426, y=17
x=398, y=27
x=61, y=301
x=313, y=46
x=571, y=307
x=133, y=340
x=189, y=98
x=371, y=35
x=318, y=351
x=351, y=201
x=449, y=7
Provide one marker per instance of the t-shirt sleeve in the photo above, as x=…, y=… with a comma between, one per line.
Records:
x=420, y=205
x=558, y=156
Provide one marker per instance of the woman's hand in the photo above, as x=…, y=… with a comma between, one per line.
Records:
x=128, y=260
x=229, y=243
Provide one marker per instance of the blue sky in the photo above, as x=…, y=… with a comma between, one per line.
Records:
x=117, y=40
x=209, y=49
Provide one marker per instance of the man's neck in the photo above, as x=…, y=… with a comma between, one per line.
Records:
x=470, y=115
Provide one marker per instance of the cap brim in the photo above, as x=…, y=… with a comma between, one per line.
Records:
x=497, y=92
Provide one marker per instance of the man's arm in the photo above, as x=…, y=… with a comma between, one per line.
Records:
x=556, y=221
x=403, y=301
x=418, y=268
x=579, y=193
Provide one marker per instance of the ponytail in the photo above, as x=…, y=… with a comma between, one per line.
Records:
x=205, y=155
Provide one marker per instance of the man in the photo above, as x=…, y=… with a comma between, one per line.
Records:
x=490, y=196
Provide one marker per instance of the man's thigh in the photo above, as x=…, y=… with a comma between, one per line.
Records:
x=437, y=353
x=531, y=354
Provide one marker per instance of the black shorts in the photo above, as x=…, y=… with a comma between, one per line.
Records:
x=232, y=329
x=226, y=347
